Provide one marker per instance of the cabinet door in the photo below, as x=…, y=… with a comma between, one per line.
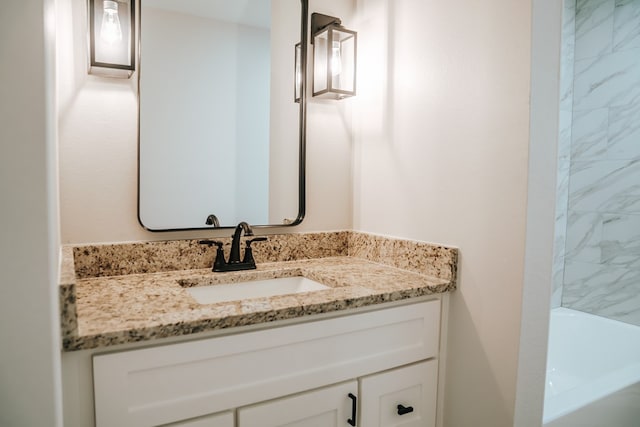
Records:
x=325, y=407
x=401, y=397
x=224, y=419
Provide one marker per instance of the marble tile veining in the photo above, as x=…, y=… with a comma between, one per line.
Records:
x=624, y=131
x=621, y=240
x=594, y=27
x=626, y=27
x=601, y=253
x=134, y=304
x=600, y=238
x=584, y=235
x=605, y=290
x=589, y=135
x=605, y=186
x=568, y=54
x=607, y=81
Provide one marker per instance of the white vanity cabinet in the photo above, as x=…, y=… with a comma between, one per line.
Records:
x=297, y=375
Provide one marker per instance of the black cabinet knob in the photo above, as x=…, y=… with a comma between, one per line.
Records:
x=404, y=409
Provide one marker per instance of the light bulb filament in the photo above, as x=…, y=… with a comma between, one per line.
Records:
x=336, y=58
x=111, y=31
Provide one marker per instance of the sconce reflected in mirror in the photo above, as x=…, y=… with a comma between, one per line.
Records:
x=297, y=90
x=334, y=57
x=112, y=37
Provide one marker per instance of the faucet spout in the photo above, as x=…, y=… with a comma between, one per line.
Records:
x=234, y=257
x=234, y=263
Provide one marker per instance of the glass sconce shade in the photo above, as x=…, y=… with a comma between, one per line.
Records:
x=112, y=37
x=334, y=59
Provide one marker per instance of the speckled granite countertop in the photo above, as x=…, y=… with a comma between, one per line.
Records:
x=109, y=310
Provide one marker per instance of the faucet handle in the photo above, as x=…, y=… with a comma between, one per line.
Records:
x=248, y=251
x=219, y=263
x=211, y=243
x=255, y=239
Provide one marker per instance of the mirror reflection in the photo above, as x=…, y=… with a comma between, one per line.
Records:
x=219, y=128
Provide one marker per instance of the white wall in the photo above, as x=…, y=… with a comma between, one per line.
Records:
x=441, y=155
x=545, y=158
x=30, y=389
x=98, y=148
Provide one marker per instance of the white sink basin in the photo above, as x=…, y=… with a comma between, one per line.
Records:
x=254, y=289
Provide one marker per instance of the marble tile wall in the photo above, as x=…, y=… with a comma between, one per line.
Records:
x=564, y=147
x=602, y=248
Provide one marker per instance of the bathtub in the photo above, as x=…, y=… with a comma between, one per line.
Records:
x=593, y=372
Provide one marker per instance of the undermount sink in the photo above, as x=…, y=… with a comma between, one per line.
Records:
x=255, y=289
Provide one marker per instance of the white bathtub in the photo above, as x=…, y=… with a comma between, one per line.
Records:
x=593, y=371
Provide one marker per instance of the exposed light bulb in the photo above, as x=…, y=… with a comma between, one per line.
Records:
x=298, y=76
x=336, y=59
x=111, y=31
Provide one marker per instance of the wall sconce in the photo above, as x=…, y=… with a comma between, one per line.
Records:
x=334, y=57
x=112, y=37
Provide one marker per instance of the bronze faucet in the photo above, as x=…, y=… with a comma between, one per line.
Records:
x=234, y=263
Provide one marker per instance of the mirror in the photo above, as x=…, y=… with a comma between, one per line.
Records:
x=219, y=131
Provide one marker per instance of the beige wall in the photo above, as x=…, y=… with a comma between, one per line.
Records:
x=98, y=147
x=442, y=136
x=30, y=390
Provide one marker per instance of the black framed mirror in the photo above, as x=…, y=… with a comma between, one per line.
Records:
x=221, y=136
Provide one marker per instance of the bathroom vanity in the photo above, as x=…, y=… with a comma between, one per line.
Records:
x=308, y=373
x=364, y=350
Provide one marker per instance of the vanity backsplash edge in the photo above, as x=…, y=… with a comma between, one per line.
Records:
x=153, y=257
x=101, y=260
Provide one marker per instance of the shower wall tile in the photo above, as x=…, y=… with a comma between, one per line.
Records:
x=624, y=129
x=584, y=237
x=606, y=81
x=605, y=186
x=594, y=27
x=601, y=272
x=589, y=135
x=626, y=25
x=605, y=290
x=612, y=239
x=559, y=252
x=568, y=54
x=621, y=240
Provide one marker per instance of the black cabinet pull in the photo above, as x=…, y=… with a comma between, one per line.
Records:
x=404, y=409
x=354, y=409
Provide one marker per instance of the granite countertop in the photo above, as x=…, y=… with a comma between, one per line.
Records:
x=118, y=309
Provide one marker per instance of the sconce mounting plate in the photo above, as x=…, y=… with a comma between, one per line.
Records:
x=320, y=22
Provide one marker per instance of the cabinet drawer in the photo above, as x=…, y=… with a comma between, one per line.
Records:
x=224, y=419
x=401, y=397
x=327, y=407
x=160, y=385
